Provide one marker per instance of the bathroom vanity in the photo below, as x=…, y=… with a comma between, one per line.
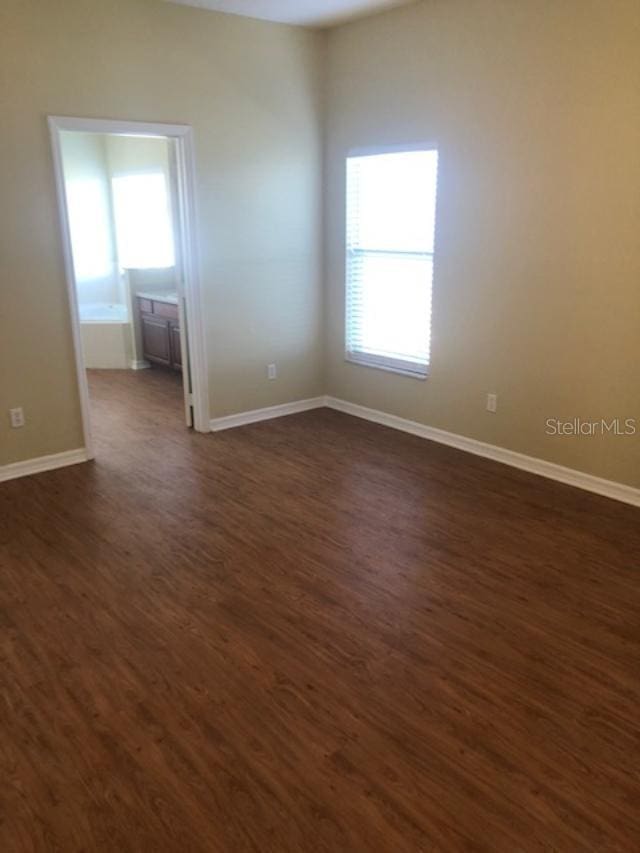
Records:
x=160, y=328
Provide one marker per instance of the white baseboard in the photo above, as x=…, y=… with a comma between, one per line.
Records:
x=139, y=364
x=43, y=463
x=550, y=470
x=569, y=476
x=266, y=414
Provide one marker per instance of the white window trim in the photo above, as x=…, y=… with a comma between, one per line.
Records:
x=377, y=362
x=373, y=150
x=409, y=369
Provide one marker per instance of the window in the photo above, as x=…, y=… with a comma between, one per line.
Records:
x=391, y=207
x=143, y=221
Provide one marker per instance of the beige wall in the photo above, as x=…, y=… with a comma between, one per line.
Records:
x=535, y=107
x=250, y=90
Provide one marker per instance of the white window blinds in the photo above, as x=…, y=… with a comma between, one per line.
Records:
x=391, y=206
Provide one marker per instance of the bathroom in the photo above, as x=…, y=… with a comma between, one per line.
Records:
x=119, y=201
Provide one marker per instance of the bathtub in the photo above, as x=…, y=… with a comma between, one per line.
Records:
x=106, y=335
x=103, y=312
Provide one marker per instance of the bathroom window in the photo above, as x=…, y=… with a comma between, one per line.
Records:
x=142, y=213
x=391, y=208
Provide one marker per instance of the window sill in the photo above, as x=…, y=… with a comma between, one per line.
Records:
x=402, y=371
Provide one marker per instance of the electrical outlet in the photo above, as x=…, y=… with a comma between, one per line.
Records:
x=272, y=371
x=492, y=403
x=17, y=417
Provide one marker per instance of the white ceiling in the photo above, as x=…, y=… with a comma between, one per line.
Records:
x=311, y=13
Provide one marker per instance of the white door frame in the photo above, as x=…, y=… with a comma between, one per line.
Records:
x=183, y=136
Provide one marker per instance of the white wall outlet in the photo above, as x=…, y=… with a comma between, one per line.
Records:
x=272, y=371
x=16, y=417
x=492, y=403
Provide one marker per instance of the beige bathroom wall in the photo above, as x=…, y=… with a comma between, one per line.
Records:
x=84, y=161
x=137, y=154
x=535, y=109
x=251, y=91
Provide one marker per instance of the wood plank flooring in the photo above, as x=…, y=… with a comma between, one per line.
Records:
x=311, y=634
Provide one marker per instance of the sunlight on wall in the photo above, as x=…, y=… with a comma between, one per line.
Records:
x=89, y=223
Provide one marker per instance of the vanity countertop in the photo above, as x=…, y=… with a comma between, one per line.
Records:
x=170, y=297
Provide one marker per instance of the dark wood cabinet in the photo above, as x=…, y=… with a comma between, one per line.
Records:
x=175, y=345
x=155, y=340
x=160, y=332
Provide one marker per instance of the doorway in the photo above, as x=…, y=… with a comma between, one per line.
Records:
x=125, y=192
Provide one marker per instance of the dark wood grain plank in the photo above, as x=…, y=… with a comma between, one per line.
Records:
x=311, y=634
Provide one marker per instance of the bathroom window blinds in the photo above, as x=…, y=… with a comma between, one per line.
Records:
x=391, y=206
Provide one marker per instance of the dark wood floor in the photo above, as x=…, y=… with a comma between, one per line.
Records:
x=311, y=634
